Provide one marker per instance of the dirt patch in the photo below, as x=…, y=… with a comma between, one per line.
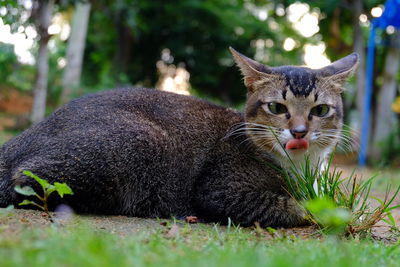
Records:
x=15, y=107
x=18, y=220
x=350, y=158
x=6, y=122
x=14, y=102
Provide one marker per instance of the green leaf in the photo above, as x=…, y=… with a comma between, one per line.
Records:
x=42, y=182
x=328, y=214
x=63, y=189
x=26, y=190
x=27, y=202
x=50, y=189
x=392, y=208
x=392, y=221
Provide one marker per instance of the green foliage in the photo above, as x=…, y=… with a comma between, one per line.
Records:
x=133, y=34
x=7, y=60
x=193, y=246
x=336, y=23
x=61, y=188
x=12, y=73
x=332, y=217
x=390, y=149
x=338, y=204
x=26, y=190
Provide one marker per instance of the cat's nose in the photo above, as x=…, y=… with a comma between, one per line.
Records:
x=299, y=131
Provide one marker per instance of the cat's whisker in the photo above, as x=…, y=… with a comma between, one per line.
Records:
x=255, y=126
x=348, y=127
x=244, y=130
x=241, y=131
x=345, y=132
x=263, y=139
x=275, y=146
x=268, y=127
x=341, y=138
x=343, y=142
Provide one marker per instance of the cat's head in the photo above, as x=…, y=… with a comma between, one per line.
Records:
x=299, y=106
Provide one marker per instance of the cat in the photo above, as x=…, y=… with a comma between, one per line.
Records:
x=148, y=153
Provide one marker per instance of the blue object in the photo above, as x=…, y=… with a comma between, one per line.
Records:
x=390, y=17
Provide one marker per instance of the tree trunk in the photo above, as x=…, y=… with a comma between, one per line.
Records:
x=124, y=44
x=385, y=118
x=359, y=47
x=75, y=50
x=43, y=21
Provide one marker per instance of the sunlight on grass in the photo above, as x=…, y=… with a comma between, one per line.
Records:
x=80, y=246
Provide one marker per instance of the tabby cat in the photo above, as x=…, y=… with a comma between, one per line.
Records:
x=147, y=153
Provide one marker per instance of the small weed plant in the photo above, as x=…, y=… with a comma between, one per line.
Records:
x=337, y=203
x=42, y=203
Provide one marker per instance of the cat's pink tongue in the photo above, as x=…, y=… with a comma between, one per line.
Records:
x=297, y=144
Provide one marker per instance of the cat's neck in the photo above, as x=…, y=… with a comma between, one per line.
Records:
x=317, y=158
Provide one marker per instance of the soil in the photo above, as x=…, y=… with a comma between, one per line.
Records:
x=14, y=112
x=15, y=221
x=14, y=102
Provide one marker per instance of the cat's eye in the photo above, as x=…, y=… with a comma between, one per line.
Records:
x=320, y=110
x=277, y=108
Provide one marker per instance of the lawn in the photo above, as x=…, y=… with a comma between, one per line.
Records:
x=27, y=240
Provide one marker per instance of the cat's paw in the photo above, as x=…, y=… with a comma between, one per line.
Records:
x=298, y=215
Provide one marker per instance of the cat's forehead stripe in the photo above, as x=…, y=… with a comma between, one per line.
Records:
x=300, y=81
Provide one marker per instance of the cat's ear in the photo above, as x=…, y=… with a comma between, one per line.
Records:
x=251, y=69
x=339, y=71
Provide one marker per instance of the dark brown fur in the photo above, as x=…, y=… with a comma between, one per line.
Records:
x=143, y=152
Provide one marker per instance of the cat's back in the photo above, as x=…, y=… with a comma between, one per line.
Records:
x=134, y=116
x=138, y=107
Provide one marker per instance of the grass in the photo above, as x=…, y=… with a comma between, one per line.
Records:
x=388, y=176
x=339, y=204
x=199, y=246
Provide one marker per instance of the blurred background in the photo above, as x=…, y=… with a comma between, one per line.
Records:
x=53, y=51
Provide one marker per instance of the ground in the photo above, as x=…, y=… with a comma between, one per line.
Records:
x=28, y=238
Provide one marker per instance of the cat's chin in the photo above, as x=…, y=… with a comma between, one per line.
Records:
x=288, y=157
x=297, y=151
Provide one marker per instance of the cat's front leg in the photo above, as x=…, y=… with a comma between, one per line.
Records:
x=248, y=204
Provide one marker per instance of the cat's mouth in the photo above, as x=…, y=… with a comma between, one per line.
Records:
x=297, y=144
